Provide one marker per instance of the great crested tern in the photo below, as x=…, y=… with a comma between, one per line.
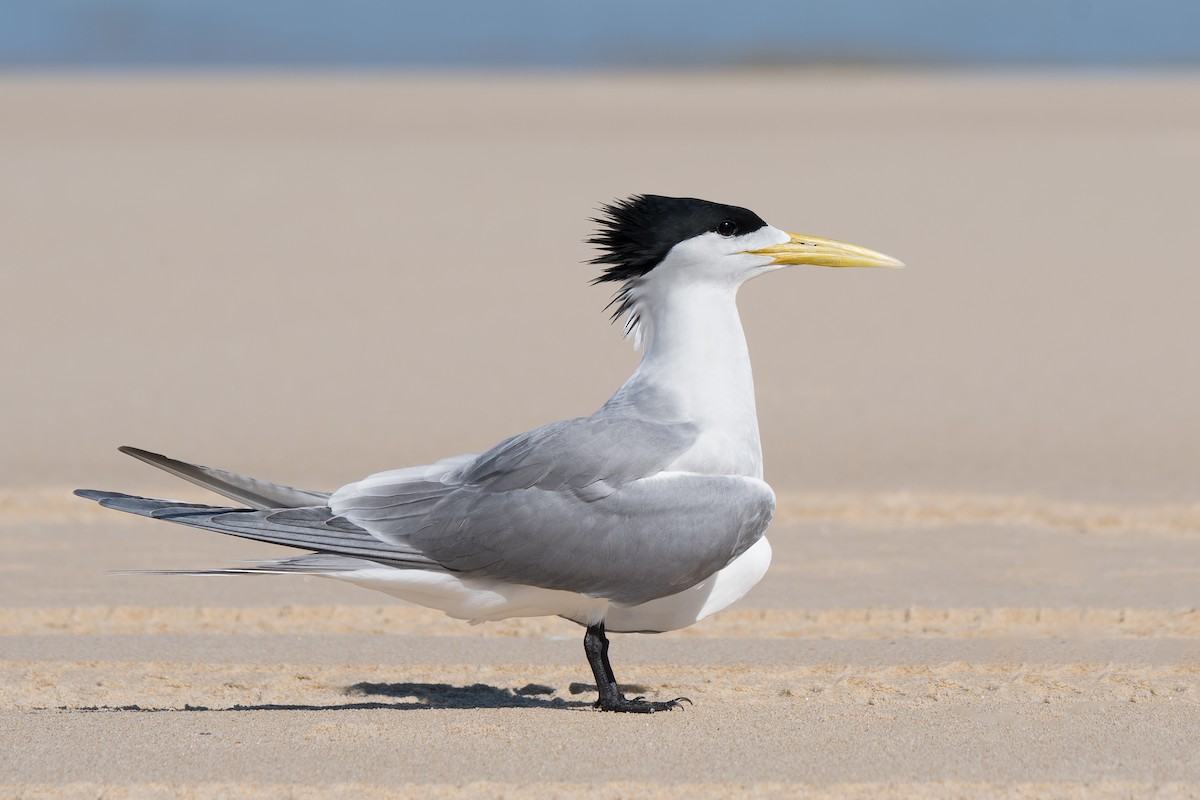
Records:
x=645, y=517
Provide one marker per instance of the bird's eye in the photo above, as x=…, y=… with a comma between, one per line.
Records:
x=727, y=228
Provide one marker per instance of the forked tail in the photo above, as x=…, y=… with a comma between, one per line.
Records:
x=276, y=514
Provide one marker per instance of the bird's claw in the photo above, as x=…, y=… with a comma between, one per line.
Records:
x=640, y=705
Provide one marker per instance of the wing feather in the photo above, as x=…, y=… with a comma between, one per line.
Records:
x=307, y=528
x=253, y=492
x=580, y=505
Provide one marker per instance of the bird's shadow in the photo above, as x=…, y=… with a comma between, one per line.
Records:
x=406, y=697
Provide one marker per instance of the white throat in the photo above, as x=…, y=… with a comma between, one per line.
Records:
x=696, y=367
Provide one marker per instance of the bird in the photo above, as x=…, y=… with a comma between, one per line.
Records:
x=646, y=516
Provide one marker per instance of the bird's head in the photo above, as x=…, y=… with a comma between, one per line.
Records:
x=650, y=240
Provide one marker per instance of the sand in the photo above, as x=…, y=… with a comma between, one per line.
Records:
x=988, y=547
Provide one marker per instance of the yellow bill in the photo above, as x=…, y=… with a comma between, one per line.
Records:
x=819, y=252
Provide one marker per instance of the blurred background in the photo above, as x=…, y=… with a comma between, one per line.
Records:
x=475, y=34
x=315, y=240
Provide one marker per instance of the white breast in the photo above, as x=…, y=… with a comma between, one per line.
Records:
x=722, y=451
x=686, y=608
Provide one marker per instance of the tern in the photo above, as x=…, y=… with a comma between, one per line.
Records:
x=647, y=516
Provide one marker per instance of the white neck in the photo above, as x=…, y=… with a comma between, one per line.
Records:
x=696, y=367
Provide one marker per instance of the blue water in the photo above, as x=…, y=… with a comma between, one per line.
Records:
x=601, y=34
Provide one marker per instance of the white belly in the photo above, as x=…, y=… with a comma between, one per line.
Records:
x=685, y=608
x=487, y=600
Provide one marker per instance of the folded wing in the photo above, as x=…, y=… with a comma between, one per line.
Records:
x=571, y=506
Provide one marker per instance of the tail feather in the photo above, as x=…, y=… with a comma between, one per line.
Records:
x=255, y=493
x=312, y=528
x=318, y=564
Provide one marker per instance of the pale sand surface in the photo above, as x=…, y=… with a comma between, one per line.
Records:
x=929, y=660
x=988, y=546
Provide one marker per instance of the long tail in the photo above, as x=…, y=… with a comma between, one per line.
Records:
x=321, y=564
x=312, y=528
x=253, y=492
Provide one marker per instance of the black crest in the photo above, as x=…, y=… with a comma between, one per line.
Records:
x=636, y=234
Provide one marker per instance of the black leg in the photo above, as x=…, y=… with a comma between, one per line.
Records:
x=608, y=673
x=595, y=645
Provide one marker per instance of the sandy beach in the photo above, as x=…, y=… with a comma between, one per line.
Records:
x=986, y=579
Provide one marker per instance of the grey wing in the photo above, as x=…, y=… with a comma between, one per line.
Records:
x=577, y=453
x=253, y=492
x=590, y=456
x=313, y=528
x=580, y=505
x=648, y=539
